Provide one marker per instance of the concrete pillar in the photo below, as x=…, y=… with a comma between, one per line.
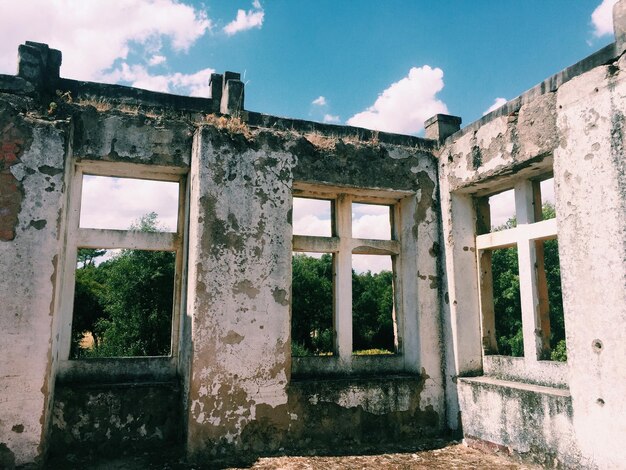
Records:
x=232, y=94
x=39, y=64
x=619, y=25
x=216, y=83
x=238, y=291
x=441, y=126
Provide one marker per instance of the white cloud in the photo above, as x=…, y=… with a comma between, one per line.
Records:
x=371, y=221
x=116, y=203
x=195, y=84
x=246, y=19
x=311, y=217
x=496, y=104
x=602, y=18
x=502, y=207
x=156, y=60
x=373, y=263
x=331, y=118
x=93, y=35
x=319, y=101
x=406, y=104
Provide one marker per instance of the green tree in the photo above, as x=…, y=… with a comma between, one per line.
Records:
x=372, y=311
x=506, y=295
x=89, y=293
x=312, y=305
x=138, y=305
x=312, y=308
x=125, y=302
x=87, y=256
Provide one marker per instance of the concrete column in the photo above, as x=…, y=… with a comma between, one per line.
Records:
x=232, y=94
x=39, y=64
x=619, y=25
x=238, y=291
x=590, y=183
x=216, y=84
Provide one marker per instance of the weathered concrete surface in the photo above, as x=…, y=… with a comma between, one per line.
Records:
x=531, y=420
x=131, y=137
x=98, y=419
x=239, y=291
x=31, y=203
x=239, y=268
x=590, y=176
x=575, y=130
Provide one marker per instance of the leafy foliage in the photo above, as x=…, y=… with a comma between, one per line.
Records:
x=125, y=303
x=506, y=296
x=372, y=311
x=506, y=302
x=312, y=305
x=312, y=308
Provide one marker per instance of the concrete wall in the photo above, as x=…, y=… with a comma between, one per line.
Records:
x=573, y=124
x=32, y=168
x=592, y=227
x=234, y=395
x=239, y=290
x=237, y=391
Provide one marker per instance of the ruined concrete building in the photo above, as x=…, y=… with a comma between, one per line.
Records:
x=230, y=388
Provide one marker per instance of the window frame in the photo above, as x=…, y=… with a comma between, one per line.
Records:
x=342, y=246
x=158, y=367
x=531, y=230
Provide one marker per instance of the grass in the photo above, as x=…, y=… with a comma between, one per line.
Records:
x=373, y=352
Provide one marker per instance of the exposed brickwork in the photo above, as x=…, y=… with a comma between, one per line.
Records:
x=11, y=148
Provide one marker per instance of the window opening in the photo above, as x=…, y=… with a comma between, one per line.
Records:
x=312, y=217
x=548, y=266
x=502, y=211
x=371, y=221
x=507, y=302
x=123, y=302
x=122, y=296
x=312, y=332
x=546, y=188
x=115, y=203
x=520, y=294
x=373, y=313
x=355, y=313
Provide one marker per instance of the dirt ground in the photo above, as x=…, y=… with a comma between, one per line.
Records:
x=451, y=456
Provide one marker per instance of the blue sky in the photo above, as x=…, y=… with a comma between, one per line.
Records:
x=386, y=65
x=457, y=56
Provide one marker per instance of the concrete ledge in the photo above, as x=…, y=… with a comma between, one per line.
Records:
x=117, y=370
x=516, y=369
x=531, y=420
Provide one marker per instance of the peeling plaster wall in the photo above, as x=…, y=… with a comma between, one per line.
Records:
x=241, y=401
x=531, y=420
x=590, y=174
x=99, y=418
x=577, y=130
x=135, y=138
x=29, y=263
x=239, y=277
